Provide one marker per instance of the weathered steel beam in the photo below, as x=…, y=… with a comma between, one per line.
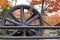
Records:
x=29, y=27
x=29, y=37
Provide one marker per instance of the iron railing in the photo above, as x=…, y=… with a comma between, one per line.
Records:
x=29, y=37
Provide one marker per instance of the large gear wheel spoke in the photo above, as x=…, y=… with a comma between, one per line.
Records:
x=30, y=20
x=14, y=17
x=12, y=21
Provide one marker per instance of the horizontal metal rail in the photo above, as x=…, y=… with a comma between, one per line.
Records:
x=29, y=37
x=29, y=27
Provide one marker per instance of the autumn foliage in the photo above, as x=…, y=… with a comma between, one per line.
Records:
x=3, y=3
x=52, y=7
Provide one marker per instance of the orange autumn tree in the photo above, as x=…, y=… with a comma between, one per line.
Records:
x=53, y=7
x=4, y=6
x=35, y=2
x=5, y=3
